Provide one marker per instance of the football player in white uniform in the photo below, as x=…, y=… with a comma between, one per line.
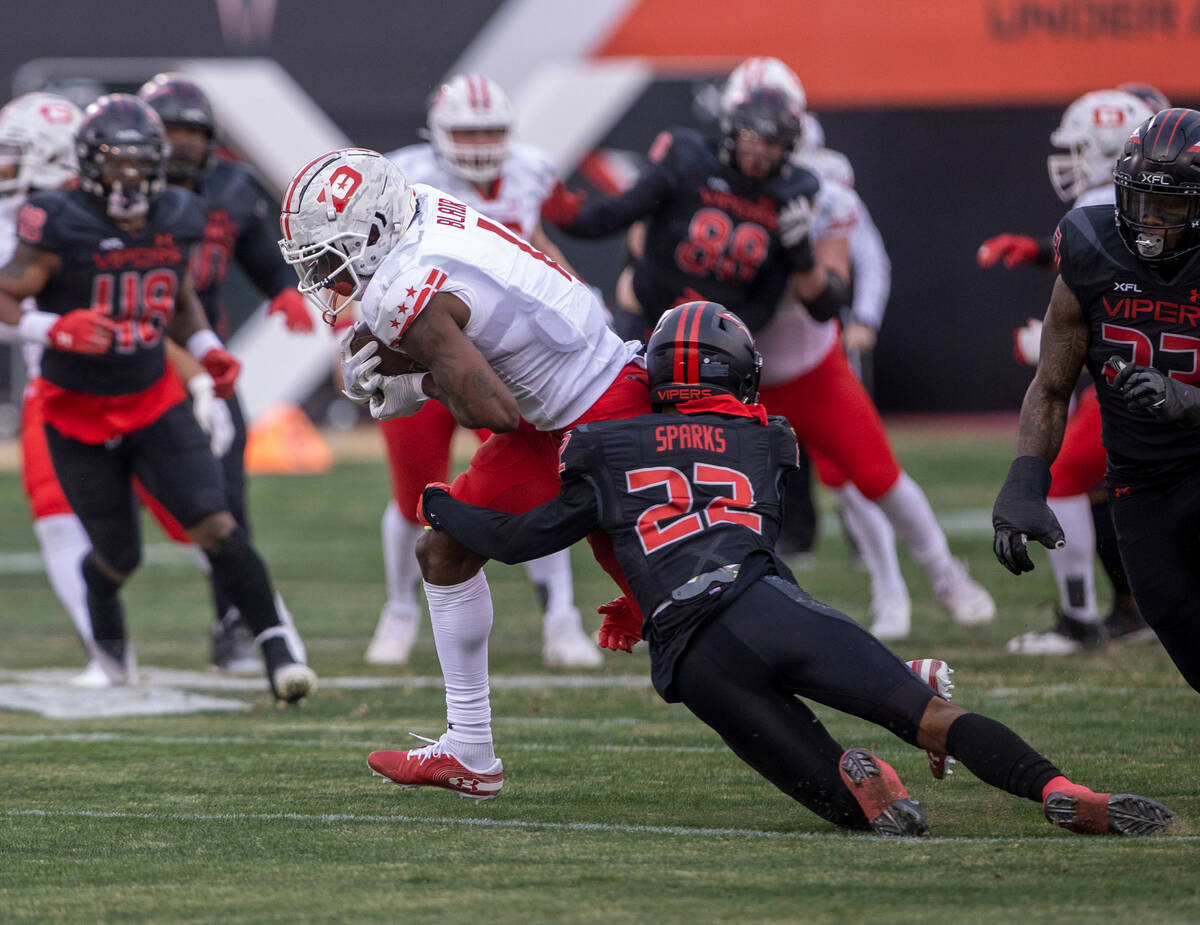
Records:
x=1092, y=132
x=469, y=155
x=512, y=342
x=842, y=432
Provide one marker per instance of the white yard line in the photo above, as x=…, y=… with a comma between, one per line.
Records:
x=682, y=831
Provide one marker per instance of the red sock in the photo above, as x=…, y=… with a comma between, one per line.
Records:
x=1060, y=784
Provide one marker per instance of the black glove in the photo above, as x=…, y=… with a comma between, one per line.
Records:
x=1145, y=388
x=1021, y=511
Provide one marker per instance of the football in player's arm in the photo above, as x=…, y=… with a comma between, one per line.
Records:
x=690, y=497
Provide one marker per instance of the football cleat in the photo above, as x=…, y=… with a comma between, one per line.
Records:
x=434, y=766
x=116, y=659
x=566, y=645
x=233, y=648
x=883, y=799
x=967, y=601
x=395, y=635
x=1107, y=813
x=1066, y=637
x=936, y=673
x=291, y=682
x=93, y=677
x=891, y=614
x=1124, y=623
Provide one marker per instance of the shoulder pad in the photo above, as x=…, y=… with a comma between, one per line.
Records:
x=577, y=449
x=798, y=181
x=36, y=219
x=390, y=312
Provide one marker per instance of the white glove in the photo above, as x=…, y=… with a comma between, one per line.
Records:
x=212, y=414
x=795, y=221
x=1027, y=342
x=359, y=379
x=397, y=396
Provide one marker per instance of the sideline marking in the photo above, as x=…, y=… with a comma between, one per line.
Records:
x=601, y=827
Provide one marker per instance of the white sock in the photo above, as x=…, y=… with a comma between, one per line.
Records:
x=909, y=513
x=876, y=541
x=553, y=573
x=1073, y=564
x=400, y=567
x=64, y=543
x=462, y=619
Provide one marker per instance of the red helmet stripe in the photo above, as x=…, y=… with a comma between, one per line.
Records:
x=1162, y=125
x=694, y=347
x=679, y=329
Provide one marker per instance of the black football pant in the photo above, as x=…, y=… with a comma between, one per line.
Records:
x=1158, y=532
x=744, y=672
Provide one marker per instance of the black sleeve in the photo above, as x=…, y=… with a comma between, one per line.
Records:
x=257, y=250
x=608, y=216
x=514, y=538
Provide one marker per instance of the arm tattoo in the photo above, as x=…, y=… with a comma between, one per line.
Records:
x=1065, y=336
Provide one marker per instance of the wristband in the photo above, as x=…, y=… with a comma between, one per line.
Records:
x=202, y=342
x=34, y=327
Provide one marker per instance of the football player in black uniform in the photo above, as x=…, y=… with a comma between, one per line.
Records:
x=119, y=245
x=241, y=228
x=1127, y=304
x=726, y=219
x=691, y=499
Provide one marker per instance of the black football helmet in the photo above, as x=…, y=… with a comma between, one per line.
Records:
x=1151, y=96
x=122, y=150
x=1158, y=186
x=766, y=112
x=700, y=349
x=179, y=101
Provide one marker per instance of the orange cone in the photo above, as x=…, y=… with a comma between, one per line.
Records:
x=284, y=442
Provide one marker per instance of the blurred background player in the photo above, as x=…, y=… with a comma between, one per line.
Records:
x=241, y=228
x=471, y=156
x=113, y=410
x=731, y=220
x=1093, y=131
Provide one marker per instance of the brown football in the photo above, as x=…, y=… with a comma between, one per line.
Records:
x=391, y=362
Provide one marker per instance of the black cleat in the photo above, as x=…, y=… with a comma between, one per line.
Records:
x=884, y=801
x=233, y=647
x=1124, y=623
x=1107, y=813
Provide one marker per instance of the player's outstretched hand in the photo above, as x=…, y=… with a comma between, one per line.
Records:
x=1021, y=513
x=1013, y=249
x=290, y=303
x=1148, y=389
x=85, y=330
x=621, y=627
x=428, y=490
x=224, y=368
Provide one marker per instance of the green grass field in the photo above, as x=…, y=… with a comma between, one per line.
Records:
x=616, y=806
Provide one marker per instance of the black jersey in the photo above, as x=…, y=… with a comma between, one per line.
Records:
x=711, y=232
x=134, y=276
x=1133, y=314
x=680, y=496
x=243, y=226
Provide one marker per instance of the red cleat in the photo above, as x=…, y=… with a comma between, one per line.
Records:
x=936, y=673
x=883, y=799
x=1091, y=813
x=434, y=766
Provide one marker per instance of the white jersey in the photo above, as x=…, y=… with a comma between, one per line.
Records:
x=1105, y=195
x=540, y=328
x=8, y=333
x=527, y=178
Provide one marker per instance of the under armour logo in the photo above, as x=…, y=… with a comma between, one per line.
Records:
x=469, y=784
x=1195, y=295
x=1121, y=492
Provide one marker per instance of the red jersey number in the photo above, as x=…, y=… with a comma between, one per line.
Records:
x=141, y=303
x=716, y=247
x=660, y=525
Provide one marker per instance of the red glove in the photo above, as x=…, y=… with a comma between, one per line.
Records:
x=561, y=206
x=224, y=369
x=84, y=330
x=290, y=303
x=421, y=501
x=1015, y=249
x=622, y=627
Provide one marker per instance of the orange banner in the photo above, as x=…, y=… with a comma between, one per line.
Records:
x=929, y=52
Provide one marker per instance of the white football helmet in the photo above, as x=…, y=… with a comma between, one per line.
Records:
x=754, y=73
x=37, y=136
x=341, y=215
x=465, y=102
x=1093, y=130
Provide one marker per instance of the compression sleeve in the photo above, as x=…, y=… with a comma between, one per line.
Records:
x=514, y=538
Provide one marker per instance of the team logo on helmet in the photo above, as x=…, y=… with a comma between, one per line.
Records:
x=342, y=184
